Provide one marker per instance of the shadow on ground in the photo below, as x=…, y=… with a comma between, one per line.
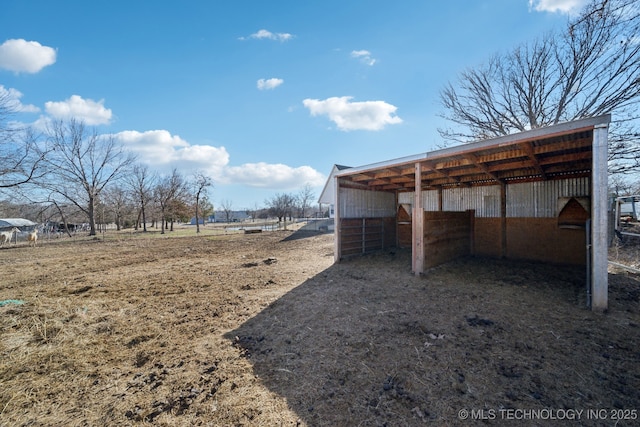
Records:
x=368, y=343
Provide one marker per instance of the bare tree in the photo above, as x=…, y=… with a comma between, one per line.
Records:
x=80, y=165
x=618, y=186
x=166, y=192
x=206, y=207
x=181, y=207
x=141, y=183
x=281, y=205
x=21, y=157
x=227, y=207
x=117, y=200
x=590, y=69
x=304, y=199
x=200, y=184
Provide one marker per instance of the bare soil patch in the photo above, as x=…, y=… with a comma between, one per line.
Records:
x=262, y=329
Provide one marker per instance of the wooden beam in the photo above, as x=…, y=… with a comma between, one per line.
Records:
x=474, y=159
x=387, y=173
x=429, y=167
x=566, y=158
x=501, y=155
x=528, y=148
x=503, y=220
x=337, y=235
x=575, y=144
x=363, y=177
x=391, y=187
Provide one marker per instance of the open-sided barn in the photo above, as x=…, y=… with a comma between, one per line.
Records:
x=538, y=195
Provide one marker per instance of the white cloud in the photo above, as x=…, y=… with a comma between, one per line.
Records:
x=19, y=55
x=269, y=83
x=265, y=34
x=160, y=149
x=12, y=96
x=163, y=152
x=347, y=115
x=273, y=176
x=89, y=111
x=562, y=6
x=364, y=56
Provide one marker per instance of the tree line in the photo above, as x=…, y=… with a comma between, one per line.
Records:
x=590, y=67
x=70, y=174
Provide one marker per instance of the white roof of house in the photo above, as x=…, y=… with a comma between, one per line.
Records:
x=328, y=194
x=15, y=222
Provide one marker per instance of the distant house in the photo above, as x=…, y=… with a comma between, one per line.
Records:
x=234, y=216
x=211, y=218
x=328, y=195
x=21, y=223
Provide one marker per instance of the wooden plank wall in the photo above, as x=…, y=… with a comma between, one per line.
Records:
x=404, y=228
x=447, y=236
x=364, y=235
x=533, y=239
x=541, y=239
x=488, y=237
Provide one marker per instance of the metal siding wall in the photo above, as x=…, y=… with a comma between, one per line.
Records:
x=406, y=198
x=356, y=203
x=524, y=200
x=485, y=200
x=429, y=199
x=540, y=199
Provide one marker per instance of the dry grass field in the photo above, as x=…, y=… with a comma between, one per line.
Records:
x=263, y=330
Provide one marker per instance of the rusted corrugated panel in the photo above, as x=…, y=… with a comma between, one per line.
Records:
x=485, y=200
x=540, y=199
x=356, y=203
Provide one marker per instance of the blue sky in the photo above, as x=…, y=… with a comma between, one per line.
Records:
x=263, y=96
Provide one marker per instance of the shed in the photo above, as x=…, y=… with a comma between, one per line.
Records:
x=21, y=223
x=537, y=195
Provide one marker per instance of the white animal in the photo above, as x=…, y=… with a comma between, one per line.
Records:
x=6, y=236
x=33, y=237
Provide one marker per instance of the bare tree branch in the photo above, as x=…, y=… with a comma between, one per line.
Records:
x=590, y=69
x=80, y=165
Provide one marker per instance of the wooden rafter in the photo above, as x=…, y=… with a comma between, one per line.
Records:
x=474, y=159
x=541, y=157
x=528, y=148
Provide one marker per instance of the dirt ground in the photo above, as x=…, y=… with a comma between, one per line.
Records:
x=263, y=330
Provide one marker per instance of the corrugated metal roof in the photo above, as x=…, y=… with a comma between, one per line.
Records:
x=15, y=222
x=555, y=152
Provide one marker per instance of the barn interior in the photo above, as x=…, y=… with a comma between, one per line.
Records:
x=540, y=195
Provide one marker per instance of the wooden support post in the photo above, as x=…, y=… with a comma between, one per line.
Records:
x=599, y=261
x=417, y=225
x=503, y=220
x=472, y=231
x=337, y=235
